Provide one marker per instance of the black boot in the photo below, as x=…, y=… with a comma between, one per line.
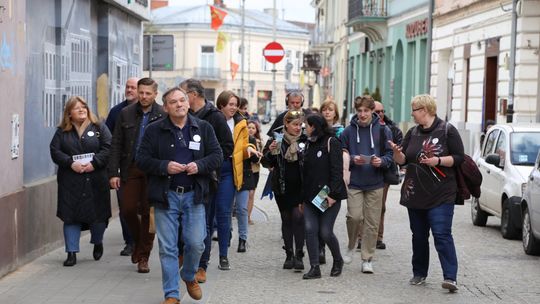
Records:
x=337, y=267
x=313, y=273
x=241, y=245
x=71, y=259
x=98, y=251
x=322, y=256
x=289, y=261
x=298, y=263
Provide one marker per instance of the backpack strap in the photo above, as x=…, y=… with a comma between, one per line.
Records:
x=328, y=144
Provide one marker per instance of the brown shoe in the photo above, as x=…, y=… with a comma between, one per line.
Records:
x=194, y=289
x=180, y=261
x=171, y=301
x=142, y=266
x=200, y=276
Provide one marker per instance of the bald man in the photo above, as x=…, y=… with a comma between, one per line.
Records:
x=130, y=93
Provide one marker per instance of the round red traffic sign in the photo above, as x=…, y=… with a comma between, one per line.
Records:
x=273, y=52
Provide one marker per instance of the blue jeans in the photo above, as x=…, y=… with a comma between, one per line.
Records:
x=72, y=235
x=439, y=220
x=242, y=213
x=192, y=215
x=220, y=209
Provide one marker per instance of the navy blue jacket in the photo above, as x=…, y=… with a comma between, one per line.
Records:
x=356, y=140
x=113, y=115
x=157, y=150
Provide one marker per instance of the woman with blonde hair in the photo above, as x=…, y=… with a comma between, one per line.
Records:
x=283, y=154
x=80, y=148
x=431, y=150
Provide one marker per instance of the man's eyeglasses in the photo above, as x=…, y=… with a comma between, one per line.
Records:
x=379, y=111
x=417, y=109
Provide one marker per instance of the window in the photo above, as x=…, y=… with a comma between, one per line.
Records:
x=490, y=142
x=500, y=149
x=298, y=61
x=207, y=57
x=524, y=147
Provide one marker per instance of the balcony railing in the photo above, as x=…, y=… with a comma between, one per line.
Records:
x=369, y=17
x=367, y=8
x=206, y=73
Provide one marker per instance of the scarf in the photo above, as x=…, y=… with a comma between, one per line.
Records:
x=291, y=155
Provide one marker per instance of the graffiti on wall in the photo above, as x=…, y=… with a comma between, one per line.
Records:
x=6, y=53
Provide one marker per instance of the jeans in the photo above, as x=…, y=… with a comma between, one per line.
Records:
x=220, y=209
x=72, y=235
x=242, y=213
x=321, y=224
x=439, y=220
x=192, y=215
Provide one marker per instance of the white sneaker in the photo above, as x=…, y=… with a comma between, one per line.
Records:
x=367, y=267
x=348, y=256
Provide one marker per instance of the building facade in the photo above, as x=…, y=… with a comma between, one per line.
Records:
x=51, y=50
x=184, y=46
x=472, y=63
x=388, y=53
x=331, y=43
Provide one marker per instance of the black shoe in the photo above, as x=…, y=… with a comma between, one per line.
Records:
x=71, y=259
x=359, y=247
x=224, y=263
x=337, y=268
x=241, y=245
x=289, y=261
x=322, y=256
x=127, y=251
x=313, y=273
x=98, y=251
x=380, y=245
x=297, y=261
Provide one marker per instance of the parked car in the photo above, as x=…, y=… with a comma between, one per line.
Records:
x=507, y=157
x=530, y=210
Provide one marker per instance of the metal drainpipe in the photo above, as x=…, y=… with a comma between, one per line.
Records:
x=429, y=42
x=511, y=84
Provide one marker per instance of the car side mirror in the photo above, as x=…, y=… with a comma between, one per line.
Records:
x=494, y=159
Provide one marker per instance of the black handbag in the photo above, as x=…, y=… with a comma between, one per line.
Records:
x=390, y=174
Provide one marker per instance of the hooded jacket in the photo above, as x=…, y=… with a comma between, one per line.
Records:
x=215, y=118
x=356, y=140
x=241, y=143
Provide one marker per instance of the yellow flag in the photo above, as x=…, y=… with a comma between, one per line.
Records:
x=221, y=41
x=302, y=79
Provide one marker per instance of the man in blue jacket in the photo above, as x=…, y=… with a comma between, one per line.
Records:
x=362, y=141
x=178, y=153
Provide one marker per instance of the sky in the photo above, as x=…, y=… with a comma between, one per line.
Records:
x=297, y=10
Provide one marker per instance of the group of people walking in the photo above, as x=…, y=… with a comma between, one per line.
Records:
x=182, y=169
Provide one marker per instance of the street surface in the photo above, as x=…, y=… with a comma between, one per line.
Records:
x=491, y=270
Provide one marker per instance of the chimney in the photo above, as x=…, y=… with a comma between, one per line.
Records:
x=159, y=3
x=270, y=12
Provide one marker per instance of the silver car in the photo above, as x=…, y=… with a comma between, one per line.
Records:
x=530, y=208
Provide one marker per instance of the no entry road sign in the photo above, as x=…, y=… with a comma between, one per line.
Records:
x=273, y=52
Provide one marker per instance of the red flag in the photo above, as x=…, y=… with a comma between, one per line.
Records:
x=217, y=16
x=234, y=69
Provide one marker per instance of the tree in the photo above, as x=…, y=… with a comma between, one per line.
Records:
x=377, y=95
x=366, y=91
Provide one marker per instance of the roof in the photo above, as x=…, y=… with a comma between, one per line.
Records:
x=199, y=16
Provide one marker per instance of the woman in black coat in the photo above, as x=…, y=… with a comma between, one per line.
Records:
x=284, y=157
x=323, y=168
x=80, y=148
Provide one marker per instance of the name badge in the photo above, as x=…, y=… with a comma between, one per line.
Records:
x=194, y=145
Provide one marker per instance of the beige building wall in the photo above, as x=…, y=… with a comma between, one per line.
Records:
x=187, y=58
x=474, y=25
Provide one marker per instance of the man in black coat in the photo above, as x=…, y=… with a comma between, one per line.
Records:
x=179, y=153
x=123, y=172
x=130, y=94
x=204, y=110
x=294, y=101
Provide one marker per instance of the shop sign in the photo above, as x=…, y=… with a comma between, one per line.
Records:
x=417, y=28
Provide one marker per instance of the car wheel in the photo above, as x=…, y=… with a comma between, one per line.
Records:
x=531, y=245
x=508, y=230
x=479, y=216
